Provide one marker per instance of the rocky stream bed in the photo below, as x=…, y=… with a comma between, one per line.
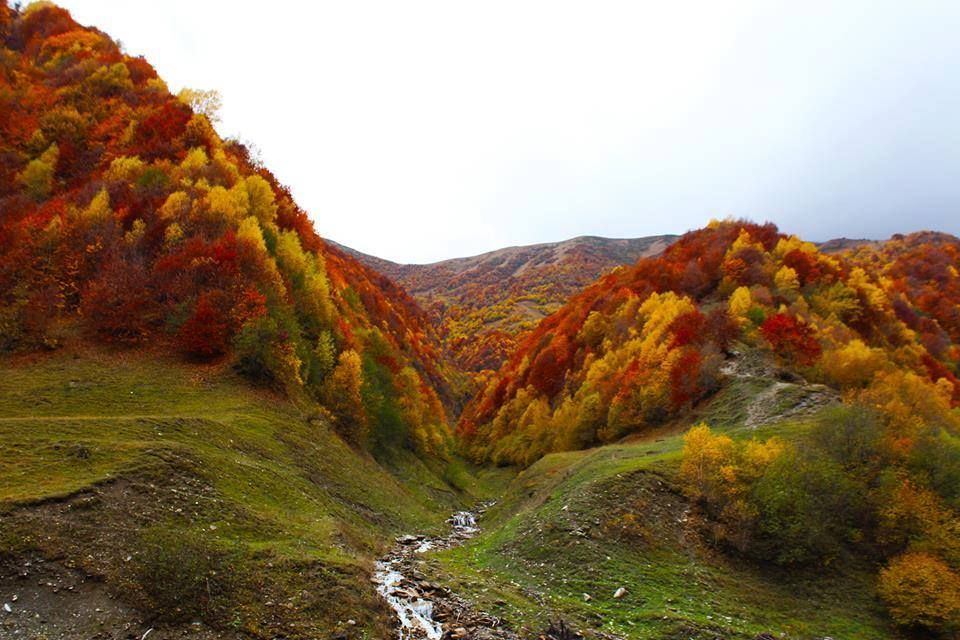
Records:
x=425, y=610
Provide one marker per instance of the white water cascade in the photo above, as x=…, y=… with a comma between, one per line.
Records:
x=414, y=611
x=415, y=615
x=464, y=521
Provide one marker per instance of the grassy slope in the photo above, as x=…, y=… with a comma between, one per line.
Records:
x=589, y=522
x=101, y=452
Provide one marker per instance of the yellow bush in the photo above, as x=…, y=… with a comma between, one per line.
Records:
x=704, y=458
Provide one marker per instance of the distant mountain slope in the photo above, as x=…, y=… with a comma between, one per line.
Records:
x=484, y=303
x=839, y=245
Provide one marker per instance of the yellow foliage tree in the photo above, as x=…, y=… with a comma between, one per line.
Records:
x=111, y=80
x=249, y=232
x=921, y=590
x=136, y=232
x=316, y=298
x=205, y=101
x=916, y=516
x=261, y=199
x=223, y=169
x=290, y=253
x=705, y=457
x=341, y=395
x=176, y=207
x=786, y=280
x=98, y=211
x=744, y=241
x=852, y=365
x=757, y=456
x=195, y=162
x=413, y=408
x=792, y=243
x=125, y=169
x=908, y=403
x=739, y=304
x=873, y=293
x=173, y=234
x=226, y=205
x=37, y=176
x=837, y=300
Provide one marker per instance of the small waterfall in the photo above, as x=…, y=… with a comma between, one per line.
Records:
x=464, y=520
x=414, y=614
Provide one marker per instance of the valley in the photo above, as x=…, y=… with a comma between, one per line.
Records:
x=216, y=424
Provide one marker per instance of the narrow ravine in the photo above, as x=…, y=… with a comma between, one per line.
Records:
x=425, y=610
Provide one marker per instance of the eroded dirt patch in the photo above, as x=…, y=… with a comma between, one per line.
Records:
x=47, y=600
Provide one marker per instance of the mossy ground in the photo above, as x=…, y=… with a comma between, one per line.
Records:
x=590, y=522
x=108, y=457
x=112, y=459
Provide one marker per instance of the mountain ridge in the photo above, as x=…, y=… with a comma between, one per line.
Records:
x=482, y=304
x=573, y=240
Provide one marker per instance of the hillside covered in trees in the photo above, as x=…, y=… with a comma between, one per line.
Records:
x=483, y=305
x=126, y=219
x=875, y=476
x=642, y=345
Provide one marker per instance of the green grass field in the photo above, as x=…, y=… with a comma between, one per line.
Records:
x=107, y=459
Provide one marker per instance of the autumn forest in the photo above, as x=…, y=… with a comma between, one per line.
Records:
x=213, y=421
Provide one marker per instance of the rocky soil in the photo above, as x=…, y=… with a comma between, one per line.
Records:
x=41, y=599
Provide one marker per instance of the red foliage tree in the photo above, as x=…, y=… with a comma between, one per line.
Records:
x=548, y=369
x=140, y=70
x=936, y=370
x=250, y=305
x=206, y=333
x=689, y=328
x=791, y=338
x=685, y=378
x=807, y=268
x=117, y=304
x=158, y=133
x=721, y=329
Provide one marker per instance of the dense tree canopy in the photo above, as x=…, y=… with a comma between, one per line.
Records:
x=642, y=344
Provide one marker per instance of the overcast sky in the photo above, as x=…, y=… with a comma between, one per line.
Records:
x=418, y=131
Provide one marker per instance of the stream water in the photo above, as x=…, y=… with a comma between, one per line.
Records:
x=411, y=597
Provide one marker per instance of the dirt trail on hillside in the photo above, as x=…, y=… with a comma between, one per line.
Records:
x=787, y=395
